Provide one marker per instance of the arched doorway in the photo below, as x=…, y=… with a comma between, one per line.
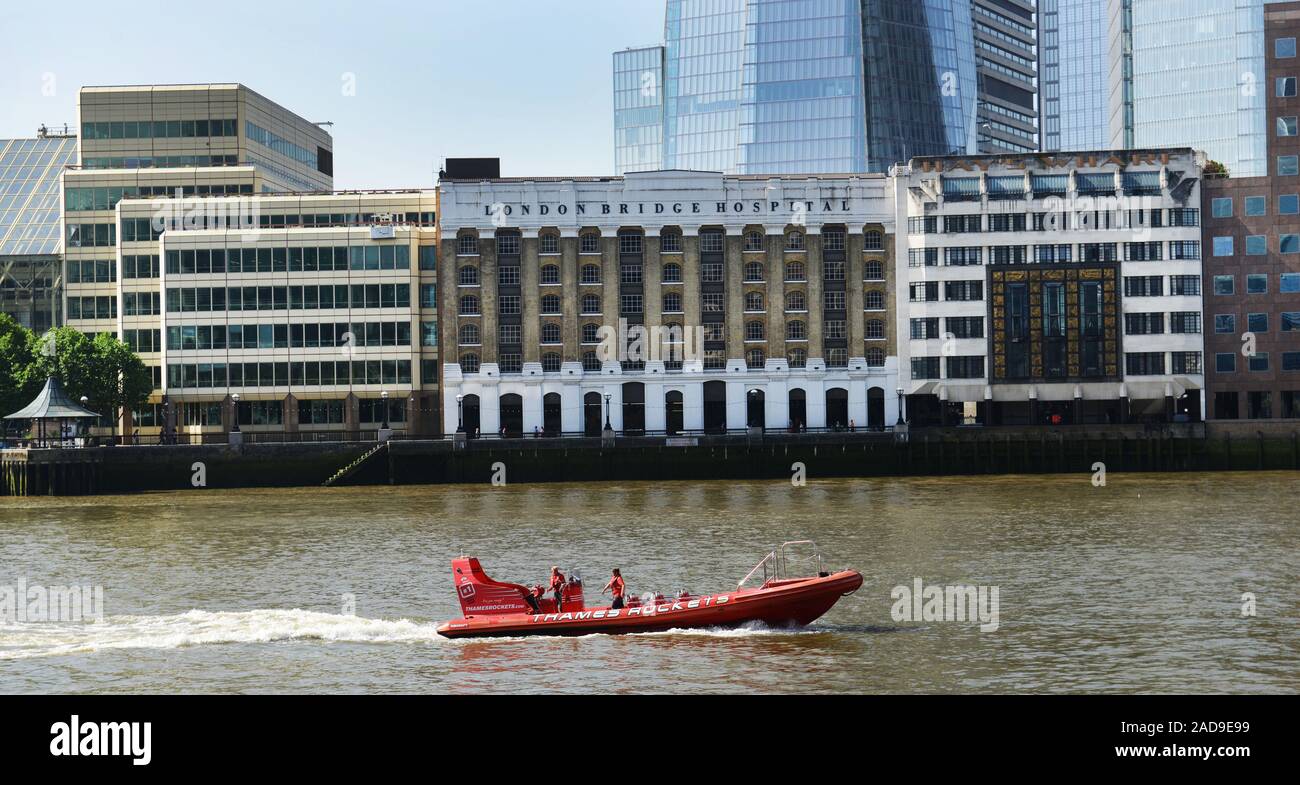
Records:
x=674, y=417
x=512, y=414
x=551, y=414
x=798, y=409
x=469, y=414
x=876, y=408
x=591, y=406
x=634, y=407
x=755, y=408
x=837, y=408
x=715, y=407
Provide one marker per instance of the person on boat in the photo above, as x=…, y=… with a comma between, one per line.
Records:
x=557, y=585
x=531, y=596
x=615, y=586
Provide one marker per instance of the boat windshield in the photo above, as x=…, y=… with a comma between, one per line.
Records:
x=794, y=559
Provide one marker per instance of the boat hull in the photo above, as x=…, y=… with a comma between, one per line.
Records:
x=786, y=603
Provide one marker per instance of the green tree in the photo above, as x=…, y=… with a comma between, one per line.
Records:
x=16, y=390
x=103, y=369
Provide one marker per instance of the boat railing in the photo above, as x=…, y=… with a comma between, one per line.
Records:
x=778, y=565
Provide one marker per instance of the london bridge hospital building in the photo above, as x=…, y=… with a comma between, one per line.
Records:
x=664, y=302
x=978, y=290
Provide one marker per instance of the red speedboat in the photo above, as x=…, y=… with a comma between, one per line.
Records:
x=496, y=608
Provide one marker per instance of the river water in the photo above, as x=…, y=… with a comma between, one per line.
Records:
x=1137, y=586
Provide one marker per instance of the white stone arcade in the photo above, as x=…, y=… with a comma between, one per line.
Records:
x=776, y=383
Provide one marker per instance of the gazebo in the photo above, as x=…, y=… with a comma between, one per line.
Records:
x=52, y=405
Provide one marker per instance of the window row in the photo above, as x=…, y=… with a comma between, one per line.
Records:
x=277, y=298
x=206, y=261
x=345, y=335
x=287, y=374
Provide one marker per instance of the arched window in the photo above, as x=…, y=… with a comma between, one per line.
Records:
x=754, y=301
x=467, y=275
x=794, y=271
x=467, y=245
x=469, y=305
x=670, y=242
x=589, y=243
x=551, y=303
x=591, y=333
x=469, y=363
x=873, y=271
x=754, y=272
x=875, y=357
x=795, y=301
x=874, y=300
x=753, y=241
x=794, y=241
x=672, y=302
x=874, y=241
x=796, y=331
x=591, y=273
x=550, y=333
x=672, y=273
x=550, y=273
x=755, y=358
x=590, y=362
x=551, y=362
x=875, y=330
x=590, y=303
x=798, y=358
x=550, y=243
x=469, y=335
x=754, y=331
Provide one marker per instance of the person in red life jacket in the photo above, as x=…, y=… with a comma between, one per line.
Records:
x=615, y=586
x=557, y=586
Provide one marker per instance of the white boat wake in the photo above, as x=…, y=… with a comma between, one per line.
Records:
x=198, y=628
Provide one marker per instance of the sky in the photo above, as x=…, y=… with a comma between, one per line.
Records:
x=526, y=81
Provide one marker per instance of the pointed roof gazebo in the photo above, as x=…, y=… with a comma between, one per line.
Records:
x=52, y=404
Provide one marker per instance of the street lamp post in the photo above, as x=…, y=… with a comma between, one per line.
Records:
x=608, y=427
x=460, y=414
x=235, y=400
x=383, y=397
x=900, y=406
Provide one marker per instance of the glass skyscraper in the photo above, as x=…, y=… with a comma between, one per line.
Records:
x=638, y=109
x=1072, y=79
x=799, y=86
x=1190, y=73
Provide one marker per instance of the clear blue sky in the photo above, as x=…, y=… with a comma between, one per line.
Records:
x=524, y=80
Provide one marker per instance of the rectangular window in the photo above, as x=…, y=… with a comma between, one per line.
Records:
x=1144, y=363
x=1225, y=284
x=1256, y=205
x=1257, y=361
x=1283, y=48
x=1286, y=126
x=1225, y=323
x=1186, y=285
x=1221, y=207
x=1284, y=87
x=1223, y=246
x=1225, y=362
x=1257, y=284
x=1288, y=165
x=1289, y=283
x=1256, y=245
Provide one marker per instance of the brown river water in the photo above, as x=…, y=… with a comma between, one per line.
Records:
x=1137, y=586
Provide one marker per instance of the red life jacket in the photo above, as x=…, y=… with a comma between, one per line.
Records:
x=616, y=586
x=557, y=581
